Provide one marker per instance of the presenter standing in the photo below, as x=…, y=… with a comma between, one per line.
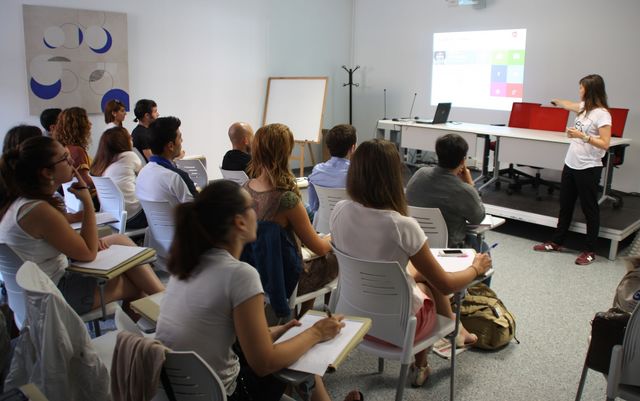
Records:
x=591, y=134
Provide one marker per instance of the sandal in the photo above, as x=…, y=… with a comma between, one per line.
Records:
x=461, y=343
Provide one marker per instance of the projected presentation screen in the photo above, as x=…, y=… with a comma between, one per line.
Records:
x=480, y=69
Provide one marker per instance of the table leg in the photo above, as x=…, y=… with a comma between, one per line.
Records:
x=496, y=166
x=608, y=172
x=485, y=160
x=101, y=285
x=457, y=301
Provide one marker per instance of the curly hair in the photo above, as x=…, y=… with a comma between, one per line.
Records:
x=73, y=127
x=270, y=151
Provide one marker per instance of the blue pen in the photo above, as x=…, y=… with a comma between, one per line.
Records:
x=493, y=246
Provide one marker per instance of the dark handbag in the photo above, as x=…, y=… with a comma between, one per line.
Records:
x=607, y=330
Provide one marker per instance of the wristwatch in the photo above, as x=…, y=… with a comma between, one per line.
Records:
x=585, y=138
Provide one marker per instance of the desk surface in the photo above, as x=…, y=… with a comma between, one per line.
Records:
x=494, y=130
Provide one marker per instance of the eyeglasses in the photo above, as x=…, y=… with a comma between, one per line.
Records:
x=64, y=158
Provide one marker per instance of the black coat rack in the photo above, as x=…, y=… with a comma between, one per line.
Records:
x=350, y=71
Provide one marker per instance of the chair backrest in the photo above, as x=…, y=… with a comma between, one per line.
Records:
x=9, y=265
x=143, y=161
x=196, y=171
x=433, y=224
x=111, y=201
x=618, y=121
x=72, y=203
x=63, y=324
x=236, y=176
x=631, y=350
x=191, y=379
x=327, y=199
x=161, y=223
x=377, y=290
x=521, y=114
x=549, y=119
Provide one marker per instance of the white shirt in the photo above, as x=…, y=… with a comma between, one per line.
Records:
x=375, y=234
x=159, y=184
x=582, y=155
x=123, y=173
x=28, y=248
x=197, y=314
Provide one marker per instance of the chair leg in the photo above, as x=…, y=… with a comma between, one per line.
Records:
x=380, y=365
x=402, y=381
x=583, y=379
x=96, y=327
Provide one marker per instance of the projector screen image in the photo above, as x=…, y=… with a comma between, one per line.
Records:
x=479, y=69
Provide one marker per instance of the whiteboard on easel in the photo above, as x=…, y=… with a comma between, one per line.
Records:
x=297, y=102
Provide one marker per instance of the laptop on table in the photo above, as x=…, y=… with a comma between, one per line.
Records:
x=441, y=115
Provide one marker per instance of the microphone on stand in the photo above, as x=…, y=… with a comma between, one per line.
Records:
x=385, y=104
x=412, y=104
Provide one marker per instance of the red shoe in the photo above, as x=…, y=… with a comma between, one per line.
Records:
x=586, y=258
x=547, y=246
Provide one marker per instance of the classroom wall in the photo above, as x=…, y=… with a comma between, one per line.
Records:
x=565, y=41
x=204, y=61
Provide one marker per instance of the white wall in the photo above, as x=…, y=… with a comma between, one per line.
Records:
x=206, y=62
x=565, y=41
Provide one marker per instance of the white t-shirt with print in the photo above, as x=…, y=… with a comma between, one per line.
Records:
x=375, y=234
x=582, y=155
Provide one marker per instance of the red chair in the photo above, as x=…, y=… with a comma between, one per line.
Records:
x=618, y=121
x=519, y=118
x=549, y=119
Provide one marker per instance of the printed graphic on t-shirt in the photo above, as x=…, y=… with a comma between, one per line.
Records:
x=583, y=124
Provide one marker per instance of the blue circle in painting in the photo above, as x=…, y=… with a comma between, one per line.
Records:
x=46, y=91
x=47, y=44
x=117, y=94
x=106, y=46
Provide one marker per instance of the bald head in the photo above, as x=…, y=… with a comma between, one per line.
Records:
x=241, y=135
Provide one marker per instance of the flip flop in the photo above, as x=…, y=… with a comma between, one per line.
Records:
x=460, y=341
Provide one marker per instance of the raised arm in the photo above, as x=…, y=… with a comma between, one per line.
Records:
x=566, y=104
x=45, y=222
x=427, y=265
x=256, y=342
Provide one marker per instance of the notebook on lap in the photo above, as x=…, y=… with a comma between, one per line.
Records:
x=441, y=115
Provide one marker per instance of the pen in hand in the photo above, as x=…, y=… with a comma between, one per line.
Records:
x=493, y=246
x=327, y=310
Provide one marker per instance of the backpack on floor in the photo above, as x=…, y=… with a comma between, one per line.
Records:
x=484, y=314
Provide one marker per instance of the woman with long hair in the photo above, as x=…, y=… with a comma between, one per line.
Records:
x=73, y=130
x=213, y=295
x=18, y=134
x=115, y=159
x=114, y=113
x=374, y=225
x=33, y=224
x=591, y=134
x=277, y=199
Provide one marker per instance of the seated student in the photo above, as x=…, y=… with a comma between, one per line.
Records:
x=18, y=134
x=73, y=130
x=238, y=158
x=14, y=137
x=146, y=112
x=114, y=113
x=115, y=159
x=213, y=295
x=277, y=200
x=374, y=225
x=32, y=223
x=449, y=187
x=160, y=179
x=341, y=141
x=48, y=119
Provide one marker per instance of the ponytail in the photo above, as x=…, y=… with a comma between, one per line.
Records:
x=203, y=224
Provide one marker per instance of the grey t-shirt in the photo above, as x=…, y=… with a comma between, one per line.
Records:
x=196, y=314
x=458, y=201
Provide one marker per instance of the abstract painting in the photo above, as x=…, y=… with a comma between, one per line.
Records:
x=75, y=58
